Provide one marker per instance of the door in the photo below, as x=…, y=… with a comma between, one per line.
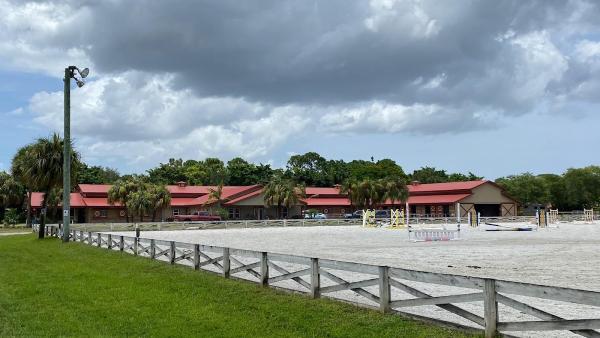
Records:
x=488, y=210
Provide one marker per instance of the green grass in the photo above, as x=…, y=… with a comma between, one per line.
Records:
x=52, y=289
x=4, y=229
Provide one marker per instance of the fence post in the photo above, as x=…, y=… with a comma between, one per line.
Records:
x=384, y=289
x=109, y=242
x=172, y=253
x=264, y=269
x=196, y=256
x=315, y=280
x=99, y=240
x=490, y=308
x=226, y=263
x=90, y=242
x=152, y=249
x=121, y=243
x=81, y=236
x=135, y=246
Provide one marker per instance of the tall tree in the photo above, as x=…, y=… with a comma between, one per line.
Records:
x=283, y=192
x=12, y=193
x=139, y=203
x=97, y=175
x=121, y=191
x=367, y=193
x=168, y=173
x=582, y=187
x=45, y=169
x=160, y=198
x=526, y=188
x=429, y=175
x=19, y=166
x=394, y=190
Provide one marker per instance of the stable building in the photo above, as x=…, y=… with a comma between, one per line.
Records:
x=90, y=202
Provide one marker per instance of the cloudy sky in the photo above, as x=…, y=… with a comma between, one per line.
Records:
x=493, y=87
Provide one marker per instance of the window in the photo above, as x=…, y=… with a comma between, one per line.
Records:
x=175, y=212
x=101, y=213
x=234, y=213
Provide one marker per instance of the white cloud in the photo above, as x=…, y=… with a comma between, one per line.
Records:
x=29, y=32
x=587, y=51
x=142, y=114
x=540, y=62
x=380, y=117
x=401, y=16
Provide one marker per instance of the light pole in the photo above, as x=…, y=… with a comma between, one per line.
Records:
x=69, y=74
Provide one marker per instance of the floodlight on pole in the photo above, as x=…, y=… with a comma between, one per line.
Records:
x=69, y=74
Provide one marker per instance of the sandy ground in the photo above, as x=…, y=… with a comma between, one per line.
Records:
x=568, y=256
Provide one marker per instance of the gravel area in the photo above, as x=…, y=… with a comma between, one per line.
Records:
x=567, y=255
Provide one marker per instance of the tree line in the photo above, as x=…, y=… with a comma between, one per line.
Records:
x=37, y=167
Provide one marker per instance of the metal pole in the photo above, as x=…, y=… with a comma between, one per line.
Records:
x=67, y=157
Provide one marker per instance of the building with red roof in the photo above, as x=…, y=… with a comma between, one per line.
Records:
x=90, y=201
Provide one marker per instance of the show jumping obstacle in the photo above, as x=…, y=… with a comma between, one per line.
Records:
x=473, y=218
x=397, y=219
x=553, y=216
x=588, y=215
x=369, y=218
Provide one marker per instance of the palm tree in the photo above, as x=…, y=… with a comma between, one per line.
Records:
x=12, y=192
x=395, y=190
x=292, y=193
x=53, y=201
x=350, y=188
x=45, y=169
x=121, y=191
x=159, y=198
x=215, y=195
x=139, y=203
x=367, y=193
x=19, y=166
x=272, y=193
x=281, y=192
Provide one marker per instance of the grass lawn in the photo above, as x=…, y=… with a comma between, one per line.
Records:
x=52, y=289
x=4, y=229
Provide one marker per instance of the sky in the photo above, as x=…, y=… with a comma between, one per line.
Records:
x=491, y=87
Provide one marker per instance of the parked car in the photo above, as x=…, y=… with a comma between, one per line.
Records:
x=318, y=215
x=378, y=214
x=356, y=214
x=196, y=216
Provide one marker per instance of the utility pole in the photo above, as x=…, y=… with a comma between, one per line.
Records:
x=69, y=74
x=67, y=156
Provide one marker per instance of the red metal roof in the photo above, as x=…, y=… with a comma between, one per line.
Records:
x=322, y=191
x=76, y=200
x=244, y=197
x=94, y=188
x=182, y=201
x=338, y=201
x=446, y=187
x=99, y=202
x=231, y=193
x=188, y=190
x=435, y=199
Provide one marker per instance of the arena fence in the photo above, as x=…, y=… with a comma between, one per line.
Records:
x=317, y=277
x=232, y=224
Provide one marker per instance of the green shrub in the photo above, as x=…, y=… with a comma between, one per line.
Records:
x=11, y=217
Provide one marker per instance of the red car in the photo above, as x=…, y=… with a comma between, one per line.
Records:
x=196, y=216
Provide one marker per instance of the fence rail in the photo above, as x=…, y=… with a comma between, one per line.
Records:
x=317, y=276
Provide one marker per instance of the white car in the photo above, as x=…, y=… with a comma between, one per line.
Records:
x=317, y=215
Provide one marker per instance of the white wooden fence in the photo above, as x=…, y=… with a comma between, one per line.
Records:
x=316, y=277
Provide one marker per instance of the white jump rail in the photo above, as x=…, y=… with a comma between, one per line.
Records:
x=266, y=268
